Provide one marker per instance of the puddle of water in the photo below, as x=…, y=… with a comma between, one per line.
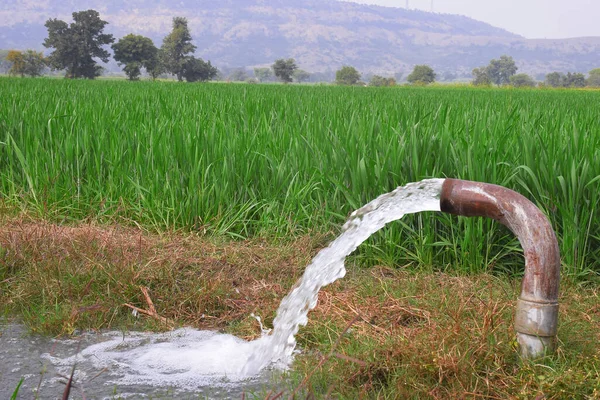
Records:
x=115, y=365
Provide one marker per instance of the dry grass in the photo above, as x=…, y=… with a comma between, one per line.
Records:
x=446, y=337
x=62, y=277
x=378, y=333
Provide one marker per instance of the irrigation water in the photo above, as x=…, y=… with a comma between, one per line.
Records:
x=219, y=365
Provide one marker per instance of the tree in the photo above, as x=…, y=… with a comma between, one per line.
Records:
x=422, y=74
x=555, y=79
x=594, y=78
x=238, y=75
x=30, y=63
x=301, y=75
x=377, y=80
x=135, y=51
x=284, y=69
x=15, y=57
x=576, y=80
x=501, y=70
x=76, y=45
x=263, y=74
x=154, y=66
x=347, y=75
x=522, y=80
x=196, y=69
x=35, y=63
x=176, y=48
x=481, y=77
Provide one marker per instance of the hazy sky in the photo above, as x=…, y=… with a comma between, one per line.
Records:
x=529, y=18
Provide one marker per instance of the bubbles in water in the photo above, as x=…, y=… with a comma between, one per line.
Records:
x=184, y=358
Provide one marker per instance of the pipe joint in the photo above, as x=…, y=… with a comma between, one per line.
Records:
x=536, y=319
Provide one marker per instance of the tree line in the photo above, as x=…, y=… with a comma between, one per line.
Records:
x=500, y=72
x=421, y=75
x=504, y=72
x=76, y=46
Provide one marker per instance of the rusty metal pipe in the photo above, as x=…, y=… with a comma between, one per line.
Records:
x=536, y=319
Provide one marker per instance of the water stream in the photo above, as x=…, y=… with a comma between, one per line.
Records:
x=328, y=265
x=190, y=361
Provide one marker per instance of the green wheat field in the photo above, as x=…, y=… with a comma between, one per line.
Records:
x=279, y=161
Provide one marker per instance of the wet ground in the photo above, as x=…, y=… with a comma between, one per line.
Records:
x=44, y=365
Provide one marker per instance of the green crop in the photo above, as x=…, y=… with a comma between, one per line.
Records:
x=279, y=161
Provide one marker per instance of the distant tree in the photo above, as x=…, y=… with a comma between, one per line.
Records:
x=555, y=79
x=301, y=75
x=238, y=75
x=17, y=61
x=284, y=69
x=76, y=45
x=263, y=74
x=481, y=77
x=135, y=51
x=594, y=78
x=347, y=75
x=31, y=63
x=421, y=74
x=501, y=70
x=176, y=48
x=575, y=80
x=377, y=80
x=196, y=69
x=398, y=76
x=522, y=80
x=154, y=66
x=35, y=63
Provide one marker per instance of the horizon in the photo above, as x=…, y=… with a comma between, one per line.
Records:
x=538, y=19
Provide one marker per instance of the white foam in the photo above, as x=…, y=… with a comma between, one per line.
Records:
x=185, y=358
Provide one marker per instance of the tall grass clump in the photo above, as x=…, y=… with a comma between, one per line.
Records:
x=278, y=161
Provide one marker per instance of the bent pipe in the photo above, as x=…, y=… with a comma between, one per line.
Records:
x=536, y=319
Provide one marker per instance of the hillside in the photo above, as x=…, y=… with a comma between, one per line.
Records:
x=321, y=34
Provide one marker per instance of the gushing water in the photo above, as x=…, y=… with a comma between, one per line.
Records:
x=191, y=359
x=328, y=265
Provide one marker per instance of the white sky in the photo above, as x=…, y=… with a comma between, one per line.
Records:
x=529, y=18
